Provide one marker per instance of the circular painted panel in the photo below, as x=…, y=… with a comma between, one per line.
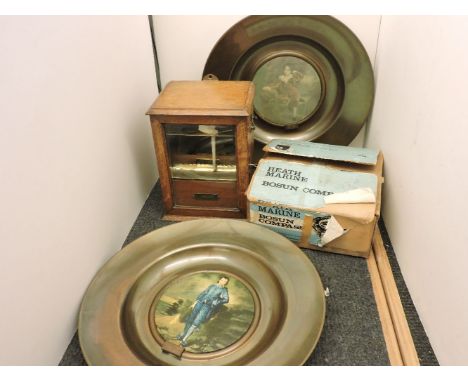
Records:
x=288, y=91
x=204, y=312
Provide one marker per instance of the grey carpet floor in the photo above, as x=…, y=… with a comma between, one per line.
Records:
x=352, y=333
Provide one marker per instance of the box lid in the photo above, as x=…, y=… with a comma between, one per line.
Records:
x=305, y=149
x=196, y=98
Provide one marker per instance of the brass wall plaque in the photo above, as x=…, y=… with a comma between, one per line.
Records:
x=313, y=77
x=204, y=292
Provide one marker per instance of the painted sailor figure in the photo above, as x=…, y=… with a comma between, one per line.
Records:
x=206, y=305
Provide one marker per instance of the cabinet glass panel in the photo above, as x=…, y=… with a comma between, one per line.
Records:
x=202, y=152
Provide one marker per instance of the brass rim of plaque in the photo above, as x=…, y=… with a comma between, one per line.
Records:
x=328, y=46
x=116, y=321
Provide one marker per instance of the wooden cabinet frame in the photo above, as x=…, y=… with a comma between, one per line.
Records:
x=168, y=109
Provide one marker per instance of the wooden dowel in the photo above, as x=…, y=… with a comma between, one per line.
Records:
x=386, y=320
x=400, y=324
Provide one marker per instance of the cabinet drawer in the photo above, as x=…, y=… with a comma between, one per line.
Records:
x=204, y=194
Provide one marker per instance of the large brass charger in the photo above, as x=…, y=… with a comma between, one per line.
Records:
x=313, y=77
x=116, y=321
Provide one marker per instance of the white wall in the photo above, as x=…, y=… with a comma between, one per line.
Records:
x=420, y=122
x=76, y=163
x=185, y=42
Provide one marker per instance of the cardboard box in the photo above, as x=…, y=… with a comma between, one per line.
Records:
x=319, y=196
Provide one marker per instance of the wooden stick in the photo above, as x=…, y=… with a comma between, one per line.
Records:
x=400, y=324
x=391, y=341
